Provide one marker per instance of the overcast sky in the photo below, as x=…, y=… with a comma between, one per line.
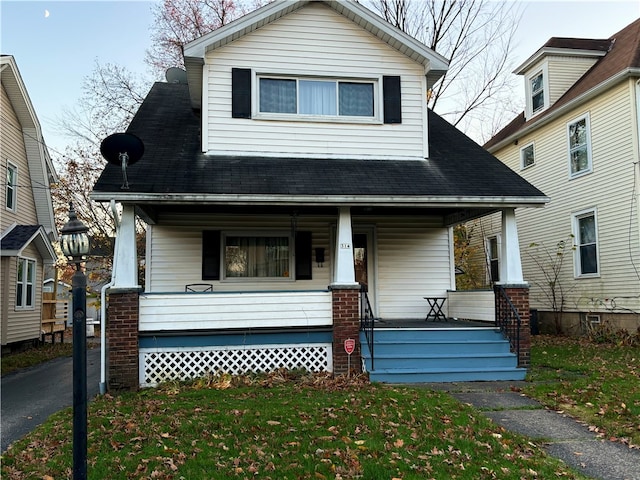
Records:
x=56, y=43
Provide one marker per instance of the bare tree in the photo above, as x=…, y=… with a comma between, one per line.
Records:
x=476, y=36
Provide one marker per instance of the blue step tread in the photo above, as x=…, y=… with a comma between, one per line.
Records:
x=446, y=375
x=444, y=356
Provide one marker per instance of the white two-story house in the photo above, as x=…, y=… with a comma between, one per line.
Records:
x=577, y=140
x=297, y=179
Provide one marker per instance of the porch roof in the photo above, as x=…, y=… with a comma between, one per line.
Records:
x=174, y=170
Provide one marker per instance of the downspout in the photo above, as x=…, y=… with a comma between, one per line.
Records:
x=103, y=312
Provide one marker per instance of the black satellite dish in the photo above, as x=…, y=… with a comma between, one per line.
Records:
x=122, y=149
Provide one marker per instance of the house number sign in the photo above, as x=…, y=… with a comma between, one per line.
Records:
x=345, y=245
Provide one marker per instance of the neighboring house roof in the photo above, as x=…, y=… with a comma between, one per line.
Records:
x=621, y=60
x=41, y=168
x=19, y=237
x=194, y=52
x=173, y=169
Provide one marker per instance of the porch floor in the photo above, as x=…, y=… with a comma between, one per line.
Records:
x=422, y=324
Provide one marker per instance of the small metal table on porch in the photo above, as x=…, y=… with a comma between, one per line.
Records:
x=435, y=308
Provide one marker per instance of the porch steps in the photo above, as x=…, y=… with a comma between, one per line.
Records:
x=440, y=355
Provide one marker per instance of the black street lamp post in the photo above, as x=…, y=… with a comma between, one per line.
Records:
x=74, y=242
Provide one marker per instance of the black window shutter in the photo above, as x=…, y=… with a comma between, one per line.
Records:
x=392, y=99
x=303, y=255
x=211, y=255
x=241, y=92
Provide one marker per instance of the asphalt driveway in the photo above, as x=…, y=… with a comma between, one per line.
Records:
x=30, y=396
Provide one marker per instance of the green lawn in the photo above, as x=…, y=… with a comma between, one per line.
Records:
x=283, y=426
x=598, y=383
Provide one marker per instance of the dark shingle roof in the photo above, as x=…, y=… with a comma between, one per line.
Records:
x=173, y=163
x=18, y=237
x=623, y=52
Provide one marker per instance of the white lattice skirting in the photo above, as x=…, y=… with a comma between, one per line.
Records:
x=159, y=365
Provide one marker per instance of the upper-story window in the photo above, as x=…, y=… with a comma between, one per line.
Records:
x=290, y=97
x=579, y=146
x=317, y=97
x=537, y=93
x=26, y=278
x=527, y=156
x=11, y=190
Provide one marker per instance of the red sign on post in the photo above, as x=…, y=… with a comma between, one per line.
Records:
x=349, y=345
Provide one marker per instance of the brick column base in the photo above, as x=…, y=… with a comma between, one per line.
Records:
x=122, y=339
x=346, y=324
x=519, y=296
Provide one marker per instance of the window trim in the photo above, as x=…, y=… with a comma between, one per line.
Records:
x=31, y=305
x=589, y=169
x=544, y=70
x=14, y=188
x=377, y=99
x=256, y=233
x=522, y=165
x=575, y=219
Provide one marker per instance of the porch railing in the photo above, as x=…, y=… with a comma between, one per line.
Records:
x=508, y=319
x=367, y=320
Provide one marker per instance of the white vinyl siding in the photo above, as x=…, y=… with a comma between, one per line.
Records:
x=412, y=263
x=563, y=72
x=318, y=51
x=609, y=188
x=234, y=310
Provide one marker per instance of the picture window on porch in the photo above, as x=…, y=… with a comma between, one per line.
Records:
x=238, y=256
x=256, y=257
x=25, y=291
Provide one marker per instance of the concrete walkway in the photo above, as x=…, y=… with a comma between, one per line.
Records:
x=563, y=437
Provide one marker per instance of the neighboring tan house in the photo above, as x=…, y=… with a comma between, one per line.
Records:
x=27, y=225
x=578, y=141
x=296, y=174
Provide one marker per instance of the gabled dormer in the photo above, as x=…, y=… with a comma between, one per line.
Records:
x=317, y=79
x=555, y=67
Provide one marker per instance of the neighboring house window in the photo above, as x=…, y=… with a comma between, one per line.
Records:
x=527, y=157
x=316, y=97
x=586, y=237
x=493, y=258
x=25, y=292
x=11, y=187
x=537, y=91
x=579, y=146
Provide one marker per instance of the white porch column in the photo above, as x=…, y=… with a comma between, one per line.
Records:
x=125, y=275
x=344, y=269
x=510, y=262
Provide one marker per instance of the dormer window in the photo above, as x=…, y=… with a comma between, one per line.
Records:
x=537, y=93
x=537, y=90
x=318, y=97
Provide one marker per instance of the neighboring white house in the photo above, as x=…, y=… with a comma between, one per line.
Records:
x=577, y=140
x=299, y=142
x=26, y=220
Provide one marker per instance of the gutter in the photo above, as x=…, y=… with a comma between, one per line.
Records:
x=329, y=200
x=586, y=96
x=103, y=312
